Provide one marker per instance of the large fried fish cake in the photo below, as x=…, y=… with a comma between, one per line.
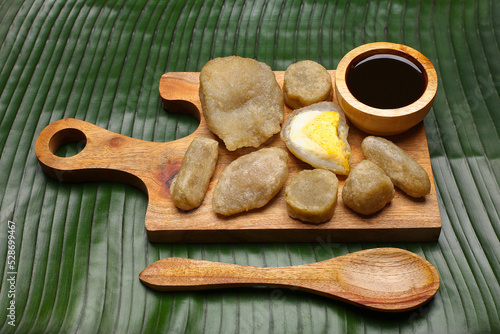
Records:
x=241, y=101
x=306, y=82
x=250, y=181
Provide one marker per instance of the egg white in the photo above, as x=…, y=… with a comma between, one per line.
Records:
x=307, y=150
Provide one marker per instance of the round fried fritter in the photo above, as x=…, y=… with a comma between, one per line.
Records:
x=241, y=101
x=367, y=189
x=311, y=195
x=306, y=82
x=250, y=181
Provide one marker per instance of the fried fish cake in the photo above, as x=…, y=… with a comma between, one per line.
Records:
x=306, y=82
x=250, y=181
x=241, y=101
x=406, y=173
x=189, y=186
x=317, y=134
x=311, y=195
x=367, y=189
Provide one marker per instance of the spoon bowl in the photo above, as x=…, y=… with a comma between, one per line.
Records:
x=382, y=279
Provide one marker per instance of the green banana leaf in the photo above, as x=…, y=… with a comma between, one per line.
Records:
x=70, y=254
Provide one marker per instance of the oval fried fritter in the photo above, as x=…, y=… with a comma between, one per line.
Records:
x=241, y=101
x=317, y=140
x=189, y=186
x=406, y=173
x=311, y=195
x=306, y=82
x=250, y=181
x=367, y=189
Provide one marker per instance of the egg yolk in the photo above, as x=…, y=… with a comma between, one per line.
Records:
x=323, y=131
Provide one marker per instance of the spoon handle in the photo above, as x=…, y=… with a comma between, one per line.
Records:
x=383, y=279
x=180, y=274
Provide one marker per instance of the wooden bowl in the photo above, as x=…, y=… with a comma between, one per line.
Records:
x=384, y=121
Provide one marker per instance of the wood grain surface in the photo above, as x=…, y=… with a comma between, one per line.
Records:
x=382, y=279
x=385, y=121
x=151, y=166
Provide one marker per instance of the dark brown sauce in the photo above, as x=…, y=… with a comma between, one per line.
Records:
x=386, y=81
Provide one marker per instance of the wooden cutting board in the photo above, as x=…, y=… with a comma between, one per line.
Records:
x=109, y=156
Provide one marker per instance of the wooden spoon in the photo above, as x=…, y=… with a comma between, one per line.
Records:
x=383, y=279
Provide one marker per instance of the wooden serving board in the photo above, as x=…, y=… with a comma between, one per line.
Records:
x=151, y=167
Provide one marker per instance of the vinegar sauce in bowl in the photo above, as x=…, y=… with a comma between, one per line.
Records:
x=386, y=81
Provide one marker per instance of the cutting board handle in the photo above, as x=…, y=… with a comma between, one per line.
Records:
x=107, y=156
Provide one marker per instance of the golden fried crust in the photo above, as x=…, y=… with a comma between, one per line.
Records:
x=250, y=181
x=241, y=101
x=306, y=82
x=317, y=161
x=406, y=173
x=367, y=189
x=189, y=186
x=311, y=195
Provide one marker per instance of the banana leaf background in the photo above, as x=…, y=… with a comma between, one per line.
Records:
x=80, y=247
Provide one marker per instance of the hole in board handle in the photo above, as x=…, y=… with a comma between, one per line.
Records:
x=67, y=142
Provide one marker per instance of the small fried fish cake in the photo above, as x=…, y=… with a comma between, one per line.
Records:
x=367, y=189
x=406, y=174
x=311, y=195
x=250, y=181
x=189, y=186
x=306, y=82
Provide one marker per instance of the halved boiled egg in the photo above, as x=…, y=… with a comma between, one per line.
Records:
x=317, y=135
